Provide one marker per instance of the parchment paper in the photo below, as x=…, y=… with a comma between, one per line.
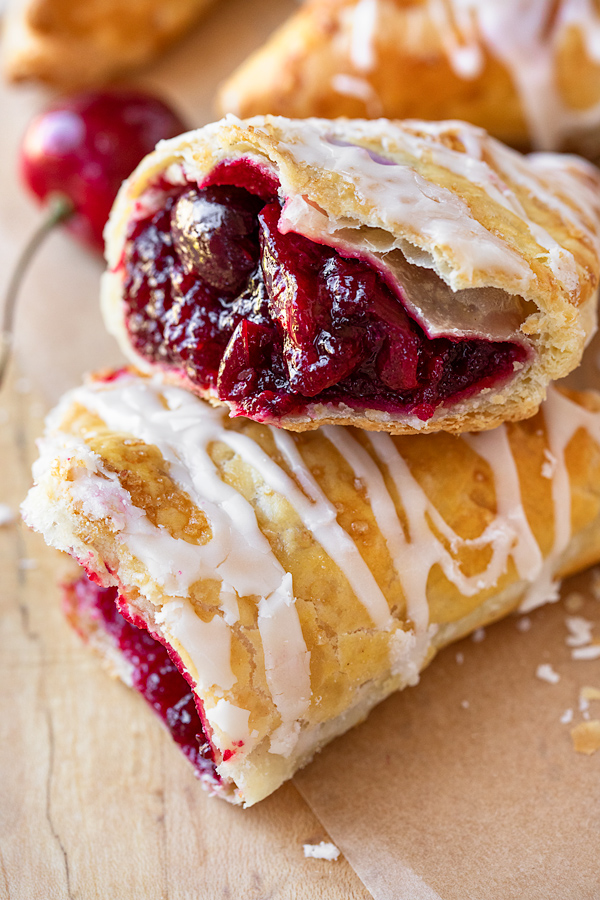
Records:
x=466, y=786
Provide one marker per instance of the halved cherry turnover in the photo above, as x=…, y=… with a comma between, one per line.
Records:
x=271, y=322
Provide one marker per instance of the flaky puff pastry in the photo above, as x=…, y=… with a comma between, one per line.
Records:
x=529, y=73
x=436, y=232
x=298, y=579
x=71, y=45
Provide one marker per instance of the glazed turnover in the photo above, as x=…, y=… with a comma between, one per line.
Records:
x=295, y=580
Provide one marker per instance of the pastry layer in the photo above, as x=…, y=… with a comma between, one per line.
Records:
x=529, y=73
x=397, y=276
x=298, y=579
x=71, y=45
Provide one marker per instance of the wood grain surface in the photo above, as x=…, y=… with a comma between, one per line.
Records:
x=95, y=801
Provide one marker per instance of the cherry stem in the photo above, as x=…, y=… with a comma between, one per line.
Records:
x=59, y=209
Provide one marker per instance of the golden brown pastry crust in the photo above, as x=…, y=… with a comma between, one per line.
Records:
x=134, y=505
x=480, y=215
x=414, y=58
x=73, y=45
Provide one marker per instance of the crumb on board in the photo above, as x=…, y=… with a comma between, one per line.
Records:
x=460, y=658
x=586, y=737
x=584, y=706
x=592, y=651
x=567, y=717
x=589, y=693
x=478, y=635
x=524, y=623
x=545, y=672
x=574, y=601
x=7, y=515
x=324, y=850
x=580, y=631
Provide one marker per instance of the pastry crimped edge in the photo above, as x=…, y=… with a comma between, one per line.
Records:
x=557, y=456
x=41, y=43
x=405, y=58
x=559, y=196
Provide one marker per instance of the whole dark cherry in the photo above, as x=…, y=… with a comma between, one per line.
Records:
x=84, y=146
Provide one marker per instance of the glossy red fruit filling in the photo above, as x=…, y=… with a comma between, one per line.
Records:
x=154, y=673
x=272, y=322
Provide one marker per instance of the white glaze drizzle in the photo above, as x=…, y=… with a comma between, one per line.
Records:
x=208, y=644
x=563, y=419
x=471, y=166
x=287, y=663
x=427, y=550
x=494, y=447
x=184, y=432
x=524, y=35
x=320, y=517
x=403, y=196
x=386, y=517
x=231, y=721
x=434, y=217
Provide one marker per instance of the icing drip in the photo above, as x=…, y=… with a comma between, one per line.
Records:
x=386, y=517
x=427, y=550
x=208, y=644
x=320, y=517
x=287, y=664
x=563, y=419
x=494, y=447
x=524, y=35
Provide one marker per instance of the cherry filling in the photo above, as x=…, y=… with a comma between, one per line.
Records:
x=155, y=675
x=271, y=322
